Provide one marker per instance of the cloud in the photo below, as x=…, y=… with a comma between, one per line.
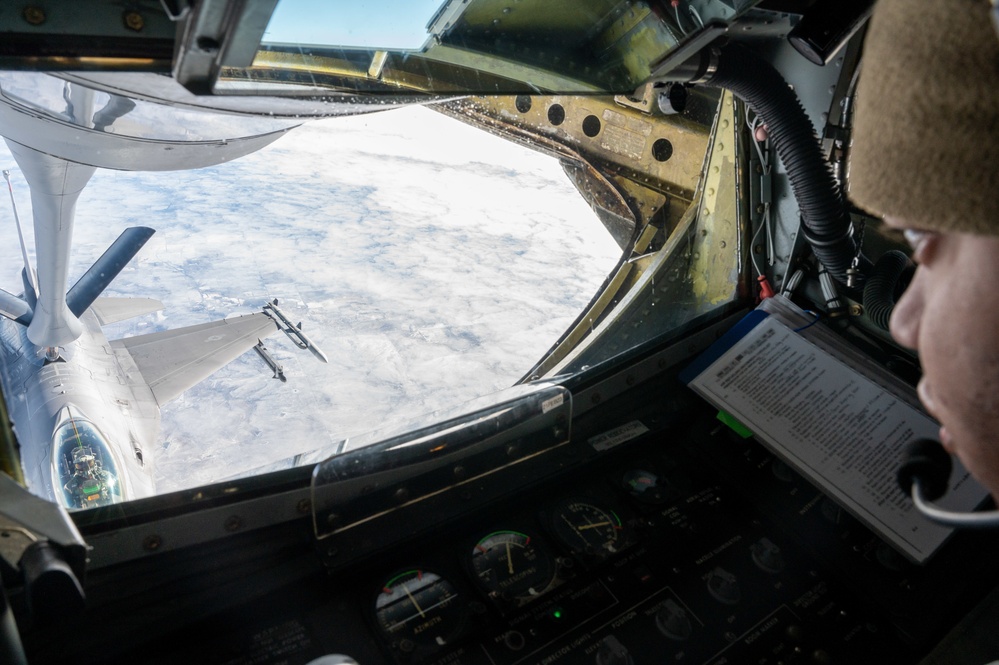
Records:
x=431, y=261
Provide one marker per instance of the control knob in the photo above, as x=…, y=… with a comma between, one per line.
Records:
x=612, y=652
x=724, y=586
x=767, y=556
x=673, y=622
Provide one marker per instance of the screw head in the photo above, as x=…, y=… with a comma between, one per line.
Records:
x=34, y=15
x=134, y=21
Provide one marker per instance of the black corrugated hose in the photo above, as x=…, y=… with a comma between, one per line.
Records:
x=827, y=224
x=890, y=276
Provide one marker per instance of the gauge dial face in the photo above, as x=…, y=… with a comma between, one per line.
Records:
x=510, y=566
x=585, y=528
x=419, y=606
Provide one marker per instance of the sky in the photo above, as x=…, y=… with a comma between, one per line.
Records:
x=401, y=24
x=431, y=261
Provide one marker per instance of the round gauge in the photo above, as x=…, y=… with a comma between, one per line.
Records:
x=419, y=606
x=587, y=529
x=507, y=564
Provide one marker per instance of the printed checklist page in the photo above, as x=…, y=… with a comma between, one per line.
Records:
x=837, y=427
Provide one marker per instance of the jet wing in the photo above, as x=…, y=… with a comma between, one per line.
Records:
x=113, y=310
x=174, y=360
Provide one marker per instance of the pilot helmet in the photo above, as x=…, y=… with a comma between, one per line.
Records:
x=83, y=460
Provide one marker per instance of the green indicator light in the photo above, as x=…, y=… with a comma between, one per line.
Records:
x=557, y=614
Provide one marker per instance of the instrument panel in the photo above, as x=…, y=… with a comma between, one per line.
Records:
x=644, y=559
x=681, y=545
x=500, y=570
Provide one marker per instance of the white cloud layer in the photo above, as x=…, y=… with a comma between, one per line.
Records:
x=431, y=261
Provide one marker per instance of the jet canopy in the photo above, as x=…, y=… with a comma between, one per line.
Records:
x=83, y=466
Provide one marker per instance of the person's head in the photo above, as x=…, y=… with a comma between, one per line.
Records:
x=925, y=157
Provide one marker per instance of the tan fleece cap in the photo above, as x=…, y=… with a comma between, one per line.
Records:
x=926, y=125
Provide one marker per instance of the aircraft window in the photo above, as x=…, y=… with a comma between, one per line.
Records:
x=399, y=26
x=429, y=261
x=85, y=471
x=472, y=46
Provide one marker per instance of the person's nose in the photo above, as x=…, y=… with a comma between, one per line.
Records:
x=906, y=315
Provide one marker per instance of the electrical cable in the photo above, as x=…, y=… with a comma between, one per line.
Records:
x=924, y=474
x=827, y=224
x=817, y=318
x=697, y=17
x=676, y=11
x=766, y=291
x=791, y=283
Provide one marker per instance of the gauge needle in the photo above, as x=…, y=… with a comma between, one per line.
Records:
x=592, y=526
x=575, y=529
x=415, y=604
x=509, y=559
